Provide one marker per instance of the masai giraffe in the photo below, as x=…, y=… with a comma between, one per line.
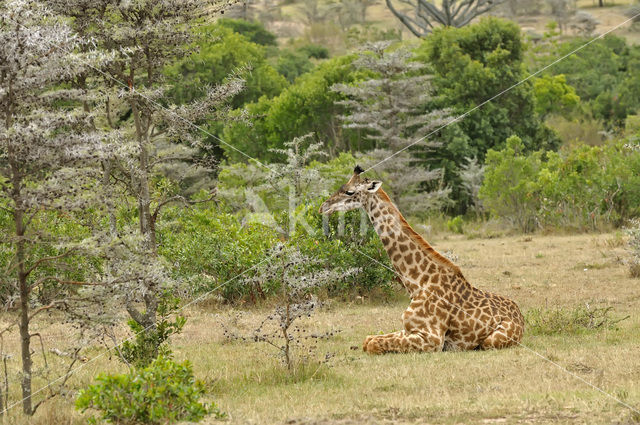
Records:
x=446, y=312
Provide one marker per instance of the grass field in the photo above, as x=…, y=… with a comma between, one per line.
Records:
x=542, y=273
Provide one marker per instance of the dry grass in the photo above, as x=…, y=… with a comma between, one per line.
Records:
x=509, y=386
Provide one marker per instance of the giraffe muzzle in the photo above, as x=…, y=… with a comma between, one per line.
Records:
x=324, y=208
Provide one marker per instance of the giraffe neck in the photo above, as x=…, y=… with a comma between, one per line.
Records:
x=412, y=256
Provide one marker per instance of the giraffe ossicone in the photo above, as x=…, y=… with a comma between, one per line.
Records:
x=446, y=312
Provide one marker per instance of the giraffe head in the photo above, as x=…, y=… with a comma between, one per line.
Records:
x=352, y=194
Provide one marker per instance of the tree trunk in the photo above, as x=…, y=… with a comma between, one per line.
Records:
x=147, y=225
x=25, y=337
x=601, y=3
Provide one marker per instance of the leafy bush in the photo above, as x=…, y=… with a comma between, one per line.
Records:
x=164, y=392
x=554, y=95
x=336, y=241
x=472, y=64
x=455, y=224
x=222, y=52
x=333, y=240
x=585, y=188
x=293, y=63
x=150, y=343
x=307, y=106
x=254, y=31
x=209, y=247
x=510, y=187
x=606, y=74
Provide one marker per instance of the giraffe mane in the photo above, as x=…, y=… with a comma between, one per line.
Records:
x=441, y=259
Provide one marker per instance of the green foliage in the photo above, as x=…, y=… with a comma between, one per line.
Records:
x=456, y=224
x=554, y=95
x=584, y=188
x=632, y=125
x=162, y=393
x=510, y=188
x=471, y=65
x=253, y=31
x=335, y=242
x=563, y=321
x=605, y=74
x=50, y=226
x=220, y=53
x=151, y=343
x=315, y=51
x=293, y=63
x=308, y=106
x=209, y=247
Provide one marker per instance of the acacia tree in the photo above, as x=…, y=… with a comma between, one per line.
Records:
x=162, y=152
x=393, y=111
x=425, y=15
x=49, y=154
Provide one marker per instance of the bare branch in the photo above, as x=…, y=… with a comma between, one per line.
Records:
x=46, y=259
x=185, y=201
x=451, y=13
x=64, y=282
x=45, y=308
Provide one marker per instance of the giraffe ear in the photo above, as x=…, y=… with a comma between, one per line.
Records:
x=373, y=186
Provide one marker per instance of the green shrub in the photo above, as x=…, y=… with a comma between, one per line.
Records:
x=339, y=244
x=252, y=30
x=164, y=392
x=605, y=74
x=586, y=188
x=150, y=343
x=510, y=188
x=307, y=106
x=455, y=224
x=209, y=247
x=222, y=52
x=473, y=63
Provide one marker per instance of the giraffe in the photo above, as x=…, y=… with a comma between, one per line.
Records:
x=446, y=312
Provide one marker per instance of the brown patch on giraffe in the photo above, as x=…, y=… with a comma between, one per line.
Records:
x=417, y=238
x=414, y=273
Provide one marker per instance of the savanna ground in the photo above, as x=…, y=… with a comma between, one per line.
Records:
x=509, y=386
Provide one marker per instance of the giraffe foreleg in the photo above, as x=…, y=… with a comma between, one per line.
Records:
x=402, y=342
x=507, y=334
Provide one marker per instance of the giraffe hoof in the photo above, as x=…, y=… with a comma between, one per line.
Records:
x=372, y=346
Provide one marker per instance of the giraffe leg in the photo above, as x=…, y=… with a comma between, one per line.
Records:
x=507, y=334
x=402, y=342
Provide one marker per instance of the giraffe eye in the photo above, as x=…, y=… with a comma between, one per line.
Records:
x=349, y=192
